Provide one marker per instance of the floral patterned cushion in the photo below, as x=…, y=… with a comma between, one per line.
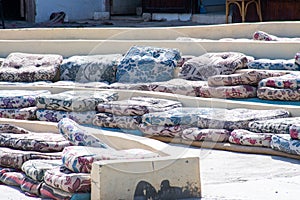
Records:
x=10, y=128
x=295, y=131
x=16, y=113
x=248, y=138
x=261, y=35
x=23, y=67
x=56, y=115
x=42, y=142
x=31, y=187
x=198, y=134
x=276, y=126
x=251, y=77
x=284, y=143
x=91, y=68
x=48, y=192
x=290, y=81
x=284, y=94
x=138, y=106
x=79, y=159
x=77, y=101
x=210, y=64
x=116, y=121
x=15, y=158
x=19, y=98
x=238, y=91
x=277, y=64
x=77, y=135
x=167, y=131
x=35, y=169
x=68, y=181
x=11, y=177
x=177, y=86
x=147, y=64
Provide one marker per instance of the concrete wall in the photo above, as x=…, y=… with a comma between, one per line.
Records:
x=75, y=10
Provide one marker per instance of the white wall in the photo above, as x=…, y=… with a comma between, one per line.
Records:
x=75, y=9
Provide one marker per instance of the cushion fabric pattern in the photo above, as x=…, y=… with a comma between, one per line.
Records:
x=28, y=113
x=77, y=101
x=284, y=143
x=210, y=64
x=167, y=131
x=137, y=106
x=261, y=35
x=248, y=138
x=91, y=68
x=116, y=121
x=10, y=128
x=238, y=91
x=276, y=64
x=12, y=178
x=295, y=131
x=289, y=81
x=23, y=67
x=285, y=94
x=147, y=64
x=49, y=192
x=198, y=134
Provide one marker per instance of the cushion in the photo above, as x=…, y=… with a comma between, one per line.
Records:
x=116, y=121
x=277, y=126
x=77, y=101
x=56, y=115
x=198, y=134
x=91, y=68
x=147, y=64
x=79, y=159
x=210, y=64
x=276, y=64
x=248, y=138
x=23, y=67
x=297, y=59
x=66, y=180
x=295, y=131
x=19, y=113
x=284, y=143
x=15, y=158
x=48, y=192
x=35, y=169
x=10, y=128
x=31, y=187
x=78, y=135
x=19, y=98
x=177, y=86
x=251, y=77
x=238, y=91
x=42, y=142
x=167, y=131
x=290, y=81
x=261, y=35
x=138, y=106
x=13, y=178
x=285, y=94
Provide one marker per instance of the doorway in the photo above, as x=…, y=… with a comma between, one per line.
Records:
x=122, y=7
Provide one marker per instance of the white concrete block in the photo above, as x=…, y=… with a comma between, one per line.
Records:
x=184, y=17
x=157, y=178
x=101, y=15
x=165, y=16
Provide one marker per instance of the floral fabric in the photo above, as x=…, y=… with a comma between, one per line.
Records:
x=66, y=180
x=238, y=91
x=12, y=178
x=35, y=169
x=16, y=113
x=30, y=186
x=261, y=35
x=290, y=81
x=15, y=158
x=284, y=143
x=56, y=115
x=147, y=64
x=23, y=67
x=167, y=131
x=42, y=142
x=285, y=94
x=92, y=68
x=248, y=138
x=295, y=131
x=77, y=101
x=277, y=64
x=198, y=134
x=116, y=121
x=210, y=64
x=10, y=128
x=77, y=135
x=251, y=77
x=137, y=106
x=49, y=192
x=19, y=98
x=276, y=126
x=79, y=159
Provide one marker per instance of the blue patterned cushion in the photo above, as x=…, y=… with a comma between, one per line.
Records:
x=147, y=64
x=277, y=64
x=284, y=143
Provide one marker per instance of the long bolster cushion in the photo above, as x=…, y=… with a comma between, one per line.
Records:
x=79, y=159
x=276, y=126
x=19, y=98
x=198, y=134
x=276, y=64
x=167, y=131
x=284, y=143
x=77, y=101
x=269, y=93
x=289, y=81
x=137, y=106
x=237, y=91
x=252, y=77
x=248, y=138
x=23, y=67
x=28, y=113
